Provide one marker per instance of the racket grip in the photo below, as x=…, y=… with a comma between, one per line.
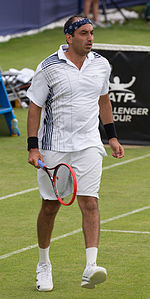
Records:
x=41, y=164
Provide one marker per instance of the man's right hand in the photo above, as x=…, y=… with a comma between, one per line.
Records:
x=34, y=156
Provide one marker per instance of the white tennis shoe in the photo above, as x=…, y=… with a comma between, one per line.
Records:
x=44, y=282
x=93, y=275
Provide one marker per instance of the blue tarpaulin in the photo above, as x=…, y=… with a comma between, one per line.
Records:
x=19, y=16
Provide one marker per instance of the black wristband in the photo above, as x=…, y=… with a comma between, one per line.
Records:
x=32, y=142
x=110, y=131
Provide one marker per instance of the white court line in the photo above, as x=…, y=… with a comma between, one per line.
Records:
x=73, y=232
x=124, y=231
x=104, y=168
x=127, y=161
x=19, y=193
x=125, y=214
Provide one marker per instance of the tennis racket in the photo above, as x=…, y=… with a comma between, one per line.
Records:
x=63, y=180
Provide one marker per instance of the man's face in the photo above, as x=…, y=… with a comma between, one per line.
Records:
x=82, y=40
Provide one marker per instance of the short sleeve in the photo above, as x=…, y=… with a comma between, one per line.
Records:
x=38, y=91
x=105, y=87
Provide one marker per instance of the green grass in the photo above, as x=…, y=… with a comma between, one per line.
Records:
x=124, y=188
x=125, y=255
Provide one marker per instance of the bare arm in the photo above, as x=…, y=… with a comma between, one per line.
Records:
x=106, y=116
x=33, y=123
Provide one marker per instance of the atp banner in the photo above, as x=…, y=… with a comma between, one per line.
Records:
x=129, y=92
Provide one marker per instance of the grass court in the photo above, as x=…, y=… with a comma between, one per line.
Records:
x=124, y=201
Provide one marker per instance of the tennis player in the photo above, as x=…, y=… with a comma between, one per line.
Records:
x=68, y=92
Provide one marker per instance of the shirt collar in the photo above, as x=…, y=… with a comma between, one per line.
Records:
x=64, y=48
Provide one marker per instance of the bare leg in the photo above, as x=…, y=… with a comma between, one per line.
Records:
x=90, y=220
x=92, y=274
x=95, y=10
x=45, y=222
x=87, y=7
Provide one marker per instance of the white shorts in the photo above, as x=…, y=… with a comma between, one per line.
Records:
x=87, y=165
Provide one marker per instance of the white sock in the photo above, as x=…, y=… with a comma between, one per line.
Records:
x=44, y=256
x=91, y=255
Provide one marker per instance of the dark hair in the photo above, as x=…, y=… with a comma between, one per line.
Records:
x=70, y=21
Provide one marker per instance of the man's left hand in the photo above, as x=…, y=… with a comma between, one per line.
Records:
x=117, y=148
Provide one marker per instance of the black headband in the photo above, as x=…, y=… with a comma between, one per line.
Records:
x=74, y=26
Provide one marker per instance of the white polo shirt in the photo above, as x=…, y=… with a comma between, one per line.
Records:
x=69, y=100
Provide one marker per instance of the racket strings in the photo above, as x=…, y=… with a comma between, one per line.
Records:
x=64, y=183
